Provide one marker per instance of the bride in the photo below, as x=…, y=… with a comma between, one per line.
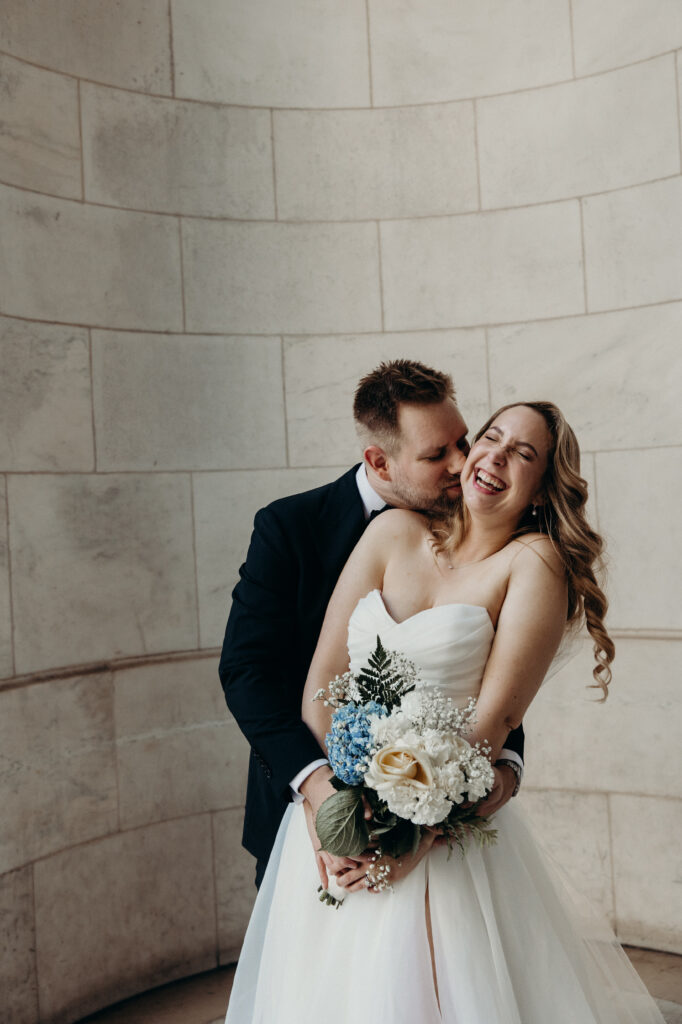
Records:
x=480, y=604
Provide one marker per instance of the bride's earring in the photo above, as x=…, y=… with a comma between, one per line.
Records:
x=534, y=511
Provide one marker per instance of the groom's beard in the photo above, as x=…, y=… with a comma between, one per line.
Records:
x=440, y=503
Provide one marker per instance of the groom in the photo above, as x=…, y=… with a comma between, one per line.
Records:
x=415, y=444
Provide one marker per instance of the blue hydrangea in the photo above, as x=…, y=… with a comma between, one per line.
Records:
x=349, y=741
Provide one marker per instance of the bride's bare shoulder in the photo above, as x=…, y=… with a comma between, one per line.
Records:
x=531, y=549
x=399, y=524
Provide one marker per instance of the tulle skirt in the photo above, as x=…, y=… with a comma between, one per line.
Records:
x=512, y=944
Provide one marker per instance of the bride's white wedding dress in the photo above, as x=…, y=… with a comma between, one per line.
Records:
x=511, y=945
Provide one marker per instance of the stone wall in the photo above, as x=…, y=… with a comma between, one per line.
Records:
x=215, y=218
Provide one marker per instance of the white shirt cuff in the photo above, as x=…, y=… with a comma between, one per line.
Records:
x=511, y=755
x=299, y=779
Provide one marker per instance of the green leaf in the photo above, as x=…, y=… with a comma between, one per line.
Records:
x=340, y=824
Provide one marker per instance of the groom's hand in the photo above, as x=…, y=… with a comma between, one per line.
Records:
x=316, y=789
x=503, y=789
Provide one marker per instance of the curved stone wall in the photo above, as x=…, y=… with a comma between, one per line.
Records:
x=215, y=218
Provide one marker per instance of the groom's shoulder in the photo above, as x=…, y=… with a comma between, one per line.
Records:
x=303, y=504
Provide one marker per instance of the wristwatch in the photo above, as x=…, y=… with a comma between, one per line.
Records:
x=516, y=768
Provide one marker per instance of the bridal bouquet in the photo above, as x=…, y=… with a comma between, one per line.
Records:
x=400, y=747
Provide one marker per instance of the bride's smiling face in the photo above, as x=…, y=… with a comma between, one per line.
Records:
x=504, y=470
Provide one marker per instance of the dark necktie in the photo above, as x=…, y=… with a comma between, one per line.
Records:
x=377, y=512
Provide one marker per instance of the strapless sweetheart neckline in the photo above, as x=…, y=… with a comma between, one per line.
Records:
x=433, y=608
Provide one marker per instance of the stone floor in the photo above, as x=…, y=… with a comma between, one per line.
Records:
x=203, y=999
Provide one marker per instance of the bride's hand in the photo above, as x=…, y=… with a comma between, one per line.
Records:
x=327, y=864
x=373, y=870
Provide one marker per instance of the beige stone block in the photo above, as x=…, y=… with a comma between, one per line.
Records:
x=123, y=914
x=434, y=50
x=224, y=507
x=574, y=829
x=272, y=55
x=102, y=567
x=616, y=32
x=166, y=155
x=126, y=43
x=183, y=402
x=629, y=744
x=268, y=278
x=647, y=861
x=45, y=403
x=482, y=267
x=633, y=254
x=179, y=750
x=18, y=982
x=355, y=164
x=58, y=774
x=643, y=530
x=6, y=652
x=320, y=404
x=589, y=135
x=89, y=265
x=39, y=135
x=235, y=883
x=594, y=368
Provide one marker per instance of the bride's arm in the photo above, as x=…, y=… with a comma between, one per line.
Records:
x=529, y=629
x=364, y=571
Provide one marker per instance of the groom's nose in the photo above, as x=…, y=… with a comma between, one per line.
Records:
x=456, y=462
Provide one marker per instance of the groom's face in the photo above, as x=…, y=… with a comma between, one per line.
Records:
x=424, y=470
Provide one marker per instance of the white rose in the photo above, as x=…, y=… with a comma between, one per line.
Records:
x=402, y=765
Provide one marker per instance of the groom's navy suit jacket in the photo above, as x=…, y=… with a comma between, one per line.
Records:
x=298, y=548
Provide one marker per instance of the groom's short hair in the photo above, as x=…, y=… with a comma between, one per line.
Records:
x=380, y=393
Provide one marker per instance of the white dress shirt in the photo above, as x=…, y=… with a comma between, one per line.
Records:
x=371, y=502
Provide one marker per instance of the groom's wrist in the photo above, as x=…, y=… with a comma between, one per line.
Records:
x=513, y=766
x=317, y=786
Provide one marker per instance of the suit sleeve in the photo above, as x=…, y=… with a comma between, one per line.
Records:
x=260, y=668
x=516, y=741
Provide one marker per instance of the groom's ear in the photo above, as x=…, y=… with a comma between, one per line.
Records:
x=377, y=460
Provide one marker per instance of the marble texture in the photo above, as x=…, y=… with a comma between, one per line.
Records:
x=356, y=164
x=84, y=264
x=482, y=268
x=45, y=400
x=235, y=883
x=165, y=155
x=320, y=403
x=269, y=278
x=434, y=50
x=224, y=507
x=625, y=745
x=58, y=772
x=616, y=32
x=632, y=251
x=179, y=750
x=600, y=133
x=103, y=567
x=6, y=645
x=99, y=905
x=126, y=43
x=18, y=982
x=181, y=402
x=574, y=828
x=643, y=530
x=647, y=861
x=39, y=134
x=272, y=55
x=595, y=367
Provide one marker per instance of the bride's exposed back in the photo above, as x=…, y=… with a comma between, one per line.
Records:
x=480, y=603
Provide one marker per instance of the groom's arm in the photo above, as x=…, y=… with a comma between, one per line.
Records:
x=258, y=667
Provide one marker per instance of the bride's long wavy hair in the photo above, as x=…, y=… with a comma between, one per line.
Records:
x=562, y=519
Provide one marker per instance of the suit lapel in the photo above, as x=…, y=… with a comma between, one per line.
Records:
x=341, y=522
